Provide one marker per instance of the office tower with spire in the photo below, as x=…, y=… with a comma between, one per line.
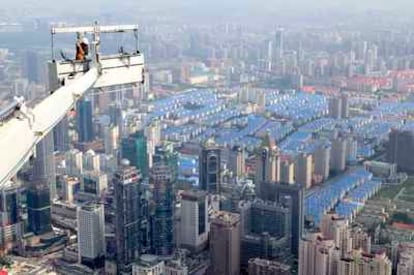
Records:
x=163, y=196
x=210, y=167
x=91, y=235
x=127, y=191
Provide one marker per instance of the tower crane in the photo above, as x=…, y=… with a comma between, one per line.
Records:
x=21, y=127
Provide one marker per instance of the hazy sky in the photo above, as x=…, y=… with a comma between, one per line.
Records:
x=45, y=7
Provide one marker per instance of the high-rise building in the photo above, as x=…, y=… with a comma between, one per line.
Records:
x=345, y=106
x=291, y=194
x=360, y=263
x=127, y=215
x=165, y=153
x=303, y=170
x=338, y=249
x=225, y=243
x=259, y=266
x=265, y=230
x=338, y=155
x=38, y=208
x=210, y=168
x=134, y=149
x=91, y=235
x=32, y=67
x=111, y=139
x=237, y=161
x=153, y=134
x=279, y=43
x=322, y=159
x=318, y=256
x=401, y=149
x=338, y=107
x=94, y=183
x=259, y=216
x=194, y=222
x=267, y=166
x=44, y=169
x=337, y=229
x=85, y=120
x=335, y=107
x=61, y=135
x=91, y=161
x=162, y=229
x=405, y=263
x=74, y=162
x=287, y=172
x=11, y=228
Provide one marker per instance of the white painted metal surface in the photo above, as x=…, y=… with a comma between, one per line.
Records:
x=18, y=138
x=69, y=80
x=91, y=29
x=117, y=69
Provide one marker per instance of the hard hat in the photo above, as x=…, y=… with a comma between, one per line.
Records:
x=85, y=40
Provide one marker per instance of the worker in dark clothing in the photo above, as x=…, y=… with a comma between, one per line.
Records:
x=82, y=48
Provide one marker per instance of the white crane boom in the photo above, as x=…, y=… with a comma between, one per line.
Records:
x=18, y=137
x=68, y=80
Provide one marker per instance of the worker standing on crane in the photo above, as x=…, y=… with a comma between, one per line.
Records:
x=82, y=47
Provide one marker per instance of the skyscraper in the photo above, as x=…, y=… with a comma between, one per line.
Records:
x=44, y=170
x=400, y=149
x=32, y=68
x=291, y=194
x=162, y=229
x=111, y=139
x=303, y=170
x=11, y=227
x=127, y=215
x=318, y=256
x=61, y=135
x=338, y=155
x=74, y=162
x=335, y=107
x=38, y=208
x=265, y=230
x=85, y=120
x=194, y=223
x=225, y=243
x=267, y=166
x=287, y=172
x=134, y=149
x=210, y=168
x=91, y=235
x=153, y=135
x=279, y=43
x=237, y=161
x=165, y=153
x=322, y=159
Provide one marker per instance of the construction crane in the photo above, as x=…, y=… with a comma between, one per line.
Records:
x=22, y=127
